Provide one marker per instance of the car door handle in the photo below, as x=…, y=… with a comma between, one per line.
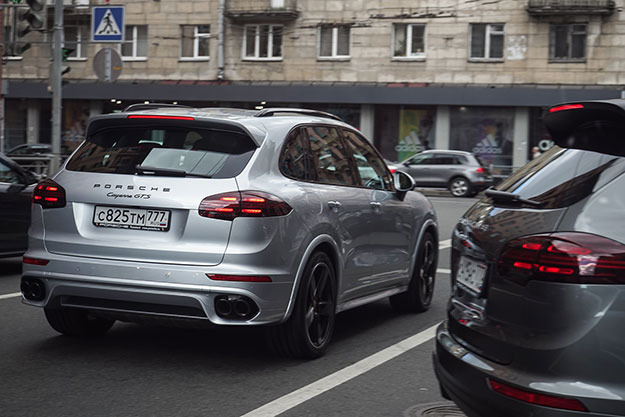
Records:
x=334, y=205
x=375, y=205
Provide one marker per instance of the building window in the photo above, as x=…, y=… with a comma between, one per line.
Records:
x=76, y=38
x=567, y=42
x=409, y=41
x=194, y=41
x=334, y=42
x=137, y=43
x=263, y=42
x=486, y=41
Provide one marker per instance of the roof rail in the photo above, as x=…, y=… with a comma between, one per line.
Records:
x=274, y=111
x=148, y=106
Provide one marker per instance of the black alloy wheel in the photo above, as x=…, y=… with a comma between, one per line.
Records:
x=421, y=288
x=308, y=331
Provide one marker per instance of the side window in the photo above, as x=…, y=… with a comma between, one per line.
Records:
x=444, y=160
x=371, y=167
x=424, y=159
x=461, y=160
x=293, y=158
x=8, y=175
x=331, y=161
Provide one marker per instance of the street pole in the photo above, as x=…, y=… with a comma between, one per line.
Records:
x=2, y=139
x=55, y=78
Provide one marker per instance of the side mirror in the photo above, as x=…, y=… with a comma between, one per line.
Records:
x=403, y=182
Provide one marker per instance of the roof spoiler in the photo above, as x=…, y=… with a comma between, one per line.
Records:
x=597, y=126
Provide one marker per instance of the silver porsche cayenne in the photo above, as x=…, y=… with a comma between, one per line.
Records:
x=278, y=217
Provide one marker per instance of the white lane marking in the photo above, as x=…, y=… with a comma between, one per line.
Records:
x=322, y=385
x=443, y=271
x=12, y=295
x=444, y=244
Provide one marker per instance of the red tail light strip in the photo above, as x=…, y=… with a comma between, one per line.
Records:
x=239, y=278
x=535, y=398
x=566, y=107
x=34, y=261
x=145, y=116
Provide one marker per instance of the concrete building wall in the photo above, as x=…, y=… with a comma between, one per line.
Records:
x=526, y=50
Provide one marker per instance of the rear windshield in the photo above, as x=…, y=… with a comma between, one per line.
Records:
x=562, y=177
x=202, y=152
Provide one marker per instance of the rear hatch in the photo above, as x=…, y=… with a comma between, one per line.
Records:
x=134, y=187
x=503, y=315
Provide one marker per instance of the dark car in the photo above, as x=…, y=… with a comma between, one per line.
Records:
x=536, y=317
x=16, y=187
x=30, y=149
x=463, y=173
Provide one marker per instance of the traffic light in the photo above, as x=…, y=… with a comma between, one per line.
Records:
x=66, y=52
x=31, y=18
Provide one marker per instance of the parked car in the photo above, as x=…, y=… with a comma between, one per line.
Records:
x=227, y=217
x=30, y=149
x=16, y=187
x=535, y=320
x=463, y=173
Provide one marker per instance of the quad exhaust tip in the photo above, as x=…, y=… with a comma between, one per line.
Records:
x=33, y=289
x=235, y=307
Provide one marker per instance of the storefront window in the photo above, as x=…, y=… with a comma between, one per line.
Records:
x=540, y=140
x=404, y=131
x=486, y=132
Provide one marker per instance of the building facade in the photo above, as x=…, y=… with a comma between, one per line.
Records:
x=452, y=74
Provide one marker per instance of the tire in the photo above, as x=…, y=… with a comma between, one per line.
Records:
x=460, y=187
x=77, y=322
x=307, y=333
x=421, y=287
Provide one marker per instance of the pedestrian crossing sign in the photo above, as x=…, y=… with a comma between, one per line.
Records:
x=107, y=24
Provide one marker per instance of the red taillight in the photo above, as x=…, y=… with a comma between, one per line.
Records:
x=49, y=194
x=481, y=170
x=239, y=278
x=34, y=261
x=228, y=206
x=149, y=116
x=535, y=398
x=566, y=107
x=564, y=257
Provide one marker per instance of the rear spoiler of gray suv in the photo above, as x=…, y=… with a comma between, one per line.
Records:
x=590, y=125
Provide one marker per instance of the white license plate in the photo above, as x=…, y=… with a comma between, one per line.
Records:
x=131, y=218
x=471, y=274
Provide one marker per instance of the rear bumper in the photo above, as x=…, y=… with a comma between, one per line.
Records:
x=464, y=376
x=135, y=289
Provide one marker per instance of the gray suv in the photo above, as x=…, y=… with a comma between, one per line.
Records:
x=535, y=320
x=463, y=173
x=279, y=217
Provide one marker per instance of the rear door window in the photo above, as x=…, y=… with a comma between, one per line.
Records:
x=295, y=159
x=332, y=162
x=203, y=152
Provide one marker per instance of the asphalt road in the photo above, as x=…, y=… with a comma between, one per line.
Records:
x=378, y=364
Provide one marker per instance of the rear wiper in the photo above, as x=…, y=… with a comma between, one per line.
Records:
x=506, y=197
x=169, y=172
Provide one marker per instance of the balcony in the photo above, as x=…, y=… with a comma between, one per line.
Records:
x=570, y=7
x=262, y=10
